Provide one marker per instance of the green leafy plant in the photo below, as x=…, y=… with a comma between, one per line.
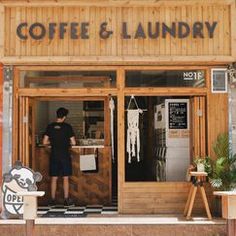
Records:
x=222, y=175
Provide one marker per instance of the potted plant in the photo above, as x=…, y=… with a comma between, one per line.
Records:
x=203, y=164
x=222, y=174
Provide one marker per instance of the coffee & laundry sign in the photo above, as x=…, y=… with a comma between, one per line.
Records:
x=150, y=30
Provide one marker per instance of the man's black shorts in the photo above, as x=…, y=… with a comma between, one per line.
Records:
x=60, y=163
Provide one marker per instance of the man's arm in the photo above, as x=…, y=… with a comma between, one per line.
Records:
x=46, y=140
x=72, y=141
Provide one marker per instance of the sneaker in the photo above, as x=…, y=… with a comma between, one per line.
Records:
x=68, y=202
x=52, y=202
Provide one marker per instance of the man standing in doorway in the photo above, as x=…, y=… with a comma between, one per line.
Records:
x=60, y=136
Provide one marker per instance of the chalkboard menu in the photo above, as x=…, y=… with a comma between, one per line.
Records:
x=178, y=115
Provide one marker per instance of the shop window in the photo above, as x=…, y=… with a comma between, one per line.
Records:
x=165, y=78
x=67, y=79
x=157, y=138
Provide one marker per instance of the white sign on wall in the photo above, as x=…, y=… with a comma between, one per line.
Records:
x=219, y=80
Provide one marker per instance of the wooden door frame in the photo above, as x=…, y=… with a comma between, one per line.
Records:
x=128, y=187
x=24, y=110
x=25, y=103
x=198, y=114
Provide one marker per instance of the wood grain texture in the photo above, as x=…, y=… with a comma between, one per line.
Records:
x=121, y=136
x=119, y=60
x=198, y=126
x=233, y=29
x=217, y=110
x=118, y=230
x=160, y=198
x=85, y=188
x=110, y=2
x=231, y=227
x=115, y=46
x=1, y=114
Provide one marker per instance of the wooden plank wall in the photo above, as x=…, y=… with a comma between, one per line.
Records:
x=233, y=30
x=115, y=46
x=85, y=188
x=198, y=126
x=217, y=109
x=160, y=198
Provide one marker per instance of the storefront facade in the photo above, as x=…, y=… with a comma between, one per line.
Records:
x=117, y=49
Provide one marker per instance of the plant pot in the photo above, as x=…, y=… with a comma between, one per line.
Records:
x=200, y=167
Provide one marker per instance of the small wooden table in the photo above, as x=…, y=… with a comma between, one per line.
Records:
x=228, y=203
x=197, y=183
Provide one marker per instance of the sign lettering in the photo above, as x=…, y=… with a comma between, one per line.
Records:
x=76, y=30
x=178, y=115
x=193, y=75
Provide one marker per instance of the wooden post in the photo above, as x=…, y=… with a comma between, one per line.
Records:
x=121, y=135
x=231, y=227
x=30, y=210
x=29, y=228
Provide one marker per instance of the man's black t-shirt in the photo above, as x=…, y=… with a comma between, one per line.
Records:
x=60, y=160
x=59, y=135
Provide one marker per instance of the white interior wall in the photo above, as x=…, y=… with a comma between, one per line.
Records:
x=75, y=117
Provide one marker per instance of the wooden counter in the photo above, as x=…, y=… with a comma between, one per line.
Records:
x=85, y=188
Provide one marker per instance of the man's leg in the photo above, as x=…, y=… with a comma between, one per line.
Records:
x=53, y=187
x=66, y=186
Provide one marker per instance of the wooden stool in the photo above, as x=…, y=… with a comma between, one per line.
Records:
x=198, y=183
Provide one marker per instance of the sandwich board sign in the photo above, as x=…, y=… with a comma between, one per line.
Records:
x=18, y=179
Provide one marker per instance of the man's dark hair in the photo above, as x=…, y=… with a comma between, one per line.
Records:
x=61, y=112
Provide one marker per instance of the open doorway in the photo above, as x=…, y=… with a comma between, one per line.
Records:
x=167, y=139
x=94, y=130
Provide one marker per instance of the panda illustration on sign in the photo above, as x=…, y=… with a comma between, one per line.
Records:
x=18, y=179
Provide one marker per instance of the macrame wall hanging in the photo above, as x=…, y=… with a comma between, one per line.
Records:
x=112, y=108
x=133, y=132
